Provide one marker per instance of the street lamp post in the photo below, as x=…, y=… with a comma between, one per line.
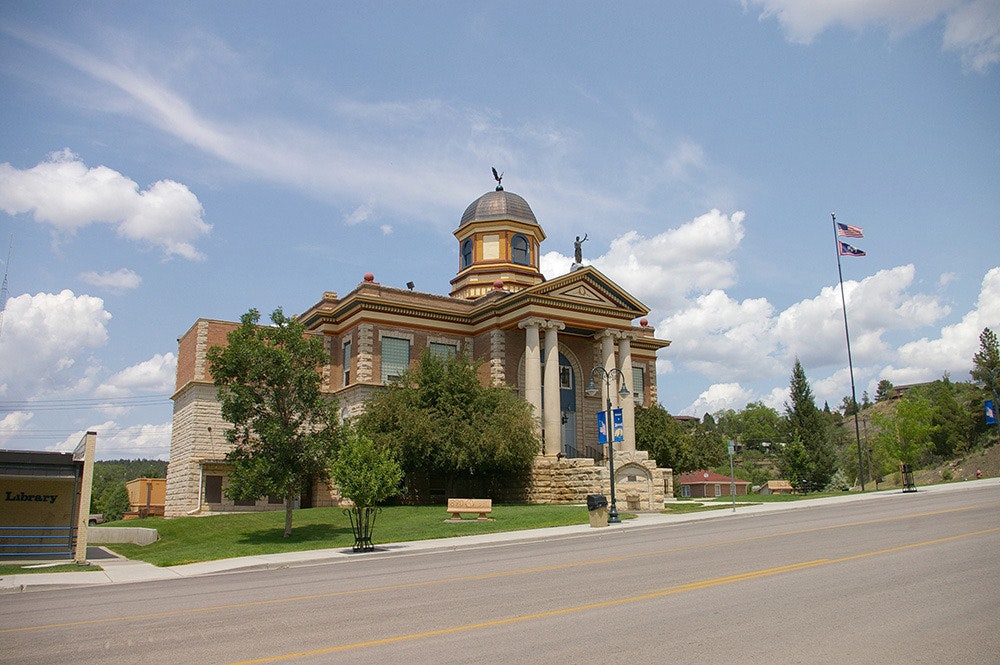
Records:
x=606, y=375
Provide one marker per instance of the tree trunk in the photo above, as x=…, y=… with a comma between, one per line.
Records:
x=289, y=502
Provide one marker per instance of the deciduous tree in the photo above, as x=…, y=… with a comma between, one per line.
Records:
x=905, y=434
x=440, y=420
x=666, y=440
x=285, y=431
x=366, y=474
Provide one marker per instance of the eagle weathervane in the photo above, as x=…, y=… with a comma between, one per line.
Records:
x=498, y=177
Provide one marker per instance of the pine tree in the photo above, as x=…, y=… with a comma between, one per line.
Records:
x=807, y=424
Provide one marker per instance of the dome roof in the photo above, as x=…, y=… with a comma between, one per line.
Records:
x=498, y=205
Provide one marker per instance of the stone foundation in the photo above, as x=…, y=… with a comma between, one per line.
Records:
x=639, y=484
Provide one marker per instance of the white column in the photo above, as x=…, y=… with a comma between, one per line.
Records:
x=607, y=338
x=608, y=361
x=627, y=404
x=533, y=369
x=550, y=398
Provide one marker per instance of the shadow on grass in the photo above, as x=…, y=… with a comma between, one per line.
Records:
x=307, y=533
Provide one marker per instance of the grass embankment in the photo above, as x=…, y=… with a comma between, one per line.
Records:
x=192, y=539
x=28, y=568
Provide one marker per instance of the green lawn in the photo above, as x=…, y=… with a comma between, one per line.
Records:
x=192, y=539
x=28, y=568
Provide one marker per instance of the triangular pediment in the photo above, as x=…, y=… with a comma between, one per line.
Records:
x=588, y=286
x=584, y=293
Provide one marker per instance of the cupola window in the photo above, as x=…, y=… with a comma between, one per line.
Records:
x=519, y=250
x=466, y=254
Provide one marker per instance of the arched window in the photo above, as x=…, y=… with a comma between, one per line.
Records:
x=466, y=254
x=519, y=250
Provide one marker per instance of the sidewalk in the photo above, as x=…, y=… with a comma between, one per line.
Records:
x=116, y=570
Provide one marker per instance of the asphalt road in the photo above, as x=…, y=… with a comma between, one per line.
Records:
x=900, y=578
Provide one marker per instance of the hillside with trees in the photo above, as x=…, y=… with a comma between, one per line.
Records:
x=938, y=425
x=108, y=495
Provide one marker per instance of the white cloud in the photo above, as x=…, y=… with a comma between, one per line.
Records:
x=155, y=375
x=748, y=347
x=360, y=214
x=720, y=396
x=972, y=27
x=813, y=330
x=66, y=194
x=928, y=359
x=118, y=281
x=704, y=341
x=47, y=340
x=117, y=442
x=721, y=338
x=14, y=421
x=392, y=150
x=688, y=156
x=665, y=269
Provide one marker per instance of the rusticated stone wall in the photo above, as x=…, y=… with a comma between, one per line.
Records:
x=639, y=484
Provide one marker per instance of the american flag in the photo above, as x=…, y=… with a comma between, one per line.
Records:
x=848, y=231
x=847, y=250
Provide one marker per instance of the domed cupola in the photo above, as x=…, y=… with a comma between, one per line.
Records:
x=498, y=239
x=498, y=205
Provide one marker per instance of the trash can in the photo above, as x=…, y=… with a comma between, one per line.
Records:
x=597, y=506
x=907, y=476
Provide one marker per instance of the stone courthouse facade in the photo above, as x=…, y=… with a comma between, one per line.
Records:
x=541, y=337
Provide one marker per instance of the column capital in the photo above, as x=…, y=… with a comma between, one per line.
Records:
x=606, y=333
x=533, y=321
x=628, y=335
x=552, y=324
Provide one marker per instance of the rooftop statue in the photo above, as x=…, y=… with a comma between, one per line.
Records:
x=578, y=248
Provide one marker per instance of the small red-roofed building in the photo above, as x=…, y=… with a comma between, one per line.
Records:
x=706, y=484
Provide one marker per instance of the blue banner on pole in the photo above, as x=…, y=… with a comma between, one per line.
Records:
x=618, y=422
x=602, y=427
x=991, y=415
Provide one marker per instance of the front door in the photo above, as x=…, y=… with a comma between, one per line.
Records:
x=567, y=407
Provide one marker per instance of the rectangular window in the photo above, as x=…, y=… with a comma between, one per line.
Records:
x=443, y=351
x=347, y=363
x=718, y=490
x=686, y=491
x=638, y=384
x=565, y=377
x=395, y=358
x=213, y=489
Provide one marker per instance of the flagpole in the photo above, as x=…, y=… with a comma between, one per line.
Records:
x=850, y=361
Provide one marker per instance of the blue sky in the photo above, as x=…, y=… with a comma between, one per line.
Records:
x=161, y=162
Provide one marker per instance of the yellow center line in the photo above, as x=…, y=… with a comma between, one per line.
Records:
x=658, y=593
x=484, y=576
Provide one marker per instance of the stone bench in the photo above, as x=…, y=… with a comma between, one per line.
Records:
x=482, y=507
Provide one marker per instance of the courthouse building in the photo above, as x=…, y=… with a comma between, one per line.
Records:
x=541, y=337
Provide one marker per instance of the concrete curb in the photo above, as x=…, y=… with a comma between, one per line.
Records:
x=121, y=571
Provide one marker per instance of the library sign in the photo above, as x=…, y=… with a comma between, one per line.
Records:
x=37, y=501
